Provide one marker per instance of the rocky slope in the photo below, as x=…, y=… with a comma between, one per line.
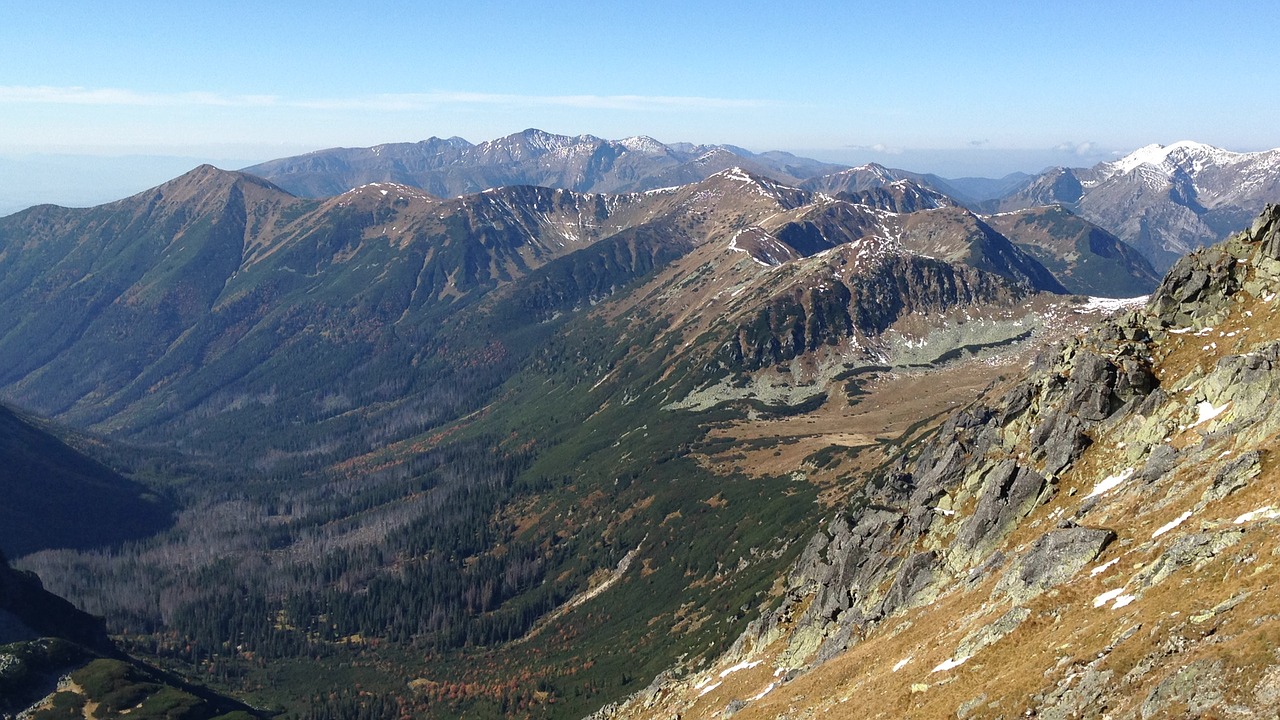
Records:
x=1095, y=539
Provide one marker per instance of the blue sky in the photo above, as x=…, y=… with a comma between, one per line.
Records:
x=971, y=87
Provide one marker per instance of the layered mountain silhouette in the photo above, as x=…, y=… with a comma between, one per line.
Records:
x=1163, y=200
x=582, y=163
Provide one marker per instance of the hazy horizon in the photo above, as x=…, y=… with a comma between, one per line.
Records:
x=83, y=179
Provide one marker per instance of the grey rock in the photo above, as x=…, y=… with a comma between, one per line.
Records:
x=1009, y=492
x=1267, y=691
x=1064, y=443
x=1160, y=462
x=1234, y=476
x=1090, y=385
x=1053, y=559
x=1266, y=228
x=1193, y=551
x=992, y=633
x=968, y=707
x=1083, y=693
x=1198, y=686
x=914, y=578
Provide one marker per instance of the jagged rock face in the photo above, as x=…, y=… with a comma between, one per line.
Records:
x=1096, y=540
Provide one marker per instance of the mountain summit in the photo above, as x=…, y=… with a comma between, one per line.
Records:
x=1165, y=200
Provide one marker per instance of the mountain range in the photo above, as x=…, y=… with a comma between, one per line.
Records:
x=582, y=163
x=1163, y=200
x=175, y=315
x=529, y=450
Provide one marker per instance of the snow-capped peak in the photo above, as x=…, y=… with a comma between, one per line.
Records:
x=739, y=174
x=644, y=145
x=1187, y=154
x=876, y=170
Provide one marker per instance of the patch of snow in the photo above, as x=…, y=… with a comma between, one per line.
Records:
x=1122, y=601
x=763, y=692
x=744, y=665
x=952, y=663
x=1208, y=412
x=1171, y=524
x=1112, y=305
x=1103, y=567
x=708, y=689
x=643, y=144
x=1111, y=482
x=1107, y=597
x=901, y=663
x=1262, y=513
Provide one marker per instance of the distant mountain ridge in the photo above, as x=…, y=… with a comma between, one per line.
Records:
x=583, y=163
x=1163, y=200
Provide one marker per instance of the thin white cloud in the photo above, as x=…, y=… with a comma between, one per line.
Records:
x=389, y=102
x=1083, y=149
x=877, y=148
x=43, y=94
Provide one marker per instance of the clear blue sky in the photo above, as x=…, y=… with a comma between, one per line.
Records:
x=991, y=86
